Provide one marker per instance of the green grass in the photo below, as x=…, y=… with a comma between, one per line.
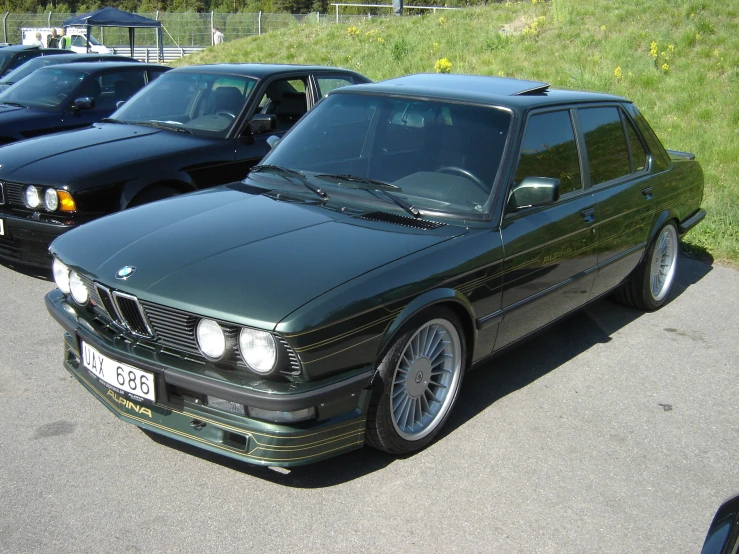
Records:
x=692, y=102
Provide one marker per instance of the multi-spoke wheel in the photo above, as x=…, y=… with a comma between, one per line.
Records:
x=650, y=284
x=417, y=383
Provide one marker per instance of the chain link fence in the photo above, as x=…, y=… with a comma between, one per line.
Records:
x=179, y=30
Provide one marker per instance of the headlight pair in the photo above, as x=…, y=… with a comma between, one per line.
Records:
x=257, y=348
x=52, y=199
x=69, y=282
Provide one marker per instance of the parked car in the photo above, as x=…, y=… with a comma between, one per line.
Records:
x=195, y=127
x=401, y=233
x=14, y=56
x=723, y=535
x=69, y=96
x=36, y=63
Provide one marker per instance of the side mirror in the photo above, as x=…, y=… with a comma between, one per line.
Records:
x=83, y=103
x=533, y=192
x=273, y=141
x=262, y=123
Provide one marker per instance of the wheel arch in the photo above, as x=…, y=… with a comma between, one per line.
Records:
x=181, y=183
x=445, y=297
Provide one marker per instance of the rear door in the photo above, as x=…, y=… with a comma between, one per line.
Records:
x=617, y=174
x=550, y=251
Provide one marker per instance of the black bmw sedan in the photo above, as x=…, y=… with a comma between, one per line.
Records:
x=15, y=56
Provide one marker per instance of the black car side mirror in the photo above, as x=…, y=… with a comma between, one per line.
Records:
x=533, y=192
x=83, y=103
x=262, y=123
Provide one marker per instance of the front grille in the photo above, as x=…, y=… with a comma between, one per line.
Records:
x=10, y=248
x=14, y=194
x=130, y=312
x=174, y=329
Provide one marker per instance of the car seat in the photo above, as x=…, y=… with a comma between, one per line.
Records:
x=292, y=107
x=228, y=100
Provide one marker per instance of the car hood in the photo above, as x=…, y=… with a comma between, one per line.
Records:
x=61, y=159
x=239, y=257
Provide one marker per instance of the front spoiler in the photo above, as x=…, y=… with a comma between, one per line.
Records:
x=243, y=438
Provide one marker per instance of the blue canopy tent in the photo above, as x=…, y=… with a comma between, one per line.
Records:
x=113, y=17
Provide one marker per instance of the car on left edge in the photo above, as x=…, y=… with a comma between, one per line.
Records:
x=15, y=56
x=194, y=127
x=69, y=96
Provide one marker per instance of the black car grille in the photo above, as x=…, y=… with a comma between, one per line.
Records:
x=13, y=194
x=170, y=329
x=10, y=248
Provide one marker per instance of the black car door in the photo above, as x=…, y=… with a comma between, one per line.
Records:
x=550, y=251
x=617, y=162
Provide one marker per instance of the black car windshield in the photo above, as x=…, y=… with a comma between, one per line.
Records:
x=46, y=88
x=29, y=67
x=204, y=104
x=433, y=155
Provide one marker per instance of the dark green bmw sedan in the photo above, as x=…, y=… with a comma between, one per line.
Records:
x=400, y=234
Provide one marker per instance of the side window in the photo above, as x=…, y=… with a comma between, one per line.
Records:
x=20, y=60
x=327, y=84
x=638, y=154
x=154, y=74
x=287, y=100
x=608, y=154
x=549, y=150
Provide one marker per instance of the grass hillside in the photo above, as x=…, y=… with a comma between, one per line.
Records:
x=678, y=60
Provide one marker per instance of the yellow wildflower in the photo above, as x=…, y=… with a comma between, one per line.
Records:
x=617, y=72
x=602, y=27
x=352, y=30
x=653, y=49
x=665, y=67
x=443, y=66
x=442, y=20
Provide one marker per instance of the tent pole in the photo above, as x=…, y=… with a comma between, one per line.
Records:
x=87, y=46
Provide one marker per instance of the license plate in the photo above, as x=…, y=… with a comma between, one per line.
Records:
x=132, y=381
x=2, y=227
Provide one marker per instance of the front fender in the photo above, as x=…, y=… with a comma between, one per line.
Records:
x=179, y=180
x=426, y=300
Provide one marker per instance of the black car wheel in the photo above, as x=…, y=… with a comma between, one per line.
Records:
x=417, y=383
x=651, y=282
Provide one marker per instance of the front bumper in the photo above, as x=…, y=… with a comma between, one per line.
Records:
x=26, y=239
x=181, y=414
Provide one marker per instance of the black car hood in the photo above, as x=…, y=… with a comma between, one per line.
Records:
x=61, y=159
x=235, y=256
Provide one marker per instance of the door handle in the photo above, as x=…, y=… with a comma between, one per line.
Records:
x=588, y=214
x=647, y=192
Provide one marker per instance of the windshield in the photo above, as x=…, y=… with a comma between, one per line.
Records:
x=432, y=155
x=201, y=103
x=44, y=89
x=29, y=67
x=5, y=59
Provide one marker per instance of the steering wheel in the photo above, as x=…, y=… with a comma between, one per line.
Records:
x=453, y=169
x=229, y=114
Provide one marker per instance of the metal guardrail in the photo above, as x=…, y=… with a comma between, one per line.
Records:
x=150, y=53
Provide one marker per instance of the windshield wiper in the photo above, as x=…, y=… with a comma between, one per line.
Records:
x=372, y=185
x=170, y=126
x=16, y=104
x=110, y=120
x=286, y=173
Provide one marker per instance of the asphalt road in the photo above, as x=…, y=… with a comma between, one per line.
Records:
x=615, y=431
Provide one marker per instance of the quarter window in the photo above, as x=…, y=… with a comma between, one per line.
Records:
x=608, y=154
x=549, y=150
x=327, y=84
x=638, y=154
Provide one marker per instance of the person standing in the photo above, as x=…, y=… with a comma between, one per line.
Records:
x=218, y=37
x=65, y=42
x=53, y=40
x=37, y=42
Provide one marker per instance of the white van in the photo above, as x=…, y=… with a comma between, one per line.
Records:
x=77, y=34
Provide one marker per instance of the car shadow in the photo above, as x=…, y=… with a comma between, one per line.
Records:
x=30, y=271
x=483, y=386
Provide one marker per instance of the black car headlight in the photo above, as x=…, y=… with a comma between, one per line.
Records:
x=61, y=276
x=32, y=197
x=211, y=339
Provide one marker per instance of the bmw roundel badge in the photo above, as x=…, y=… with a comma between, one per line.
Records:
x=125, y=272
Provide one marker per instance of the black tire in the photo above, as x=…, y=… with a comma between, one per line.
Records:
x=152, y=194
x=649, y=285
x=426, y=385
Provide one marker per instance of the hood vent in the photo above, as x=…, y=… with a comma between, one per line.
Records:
x=403, y=220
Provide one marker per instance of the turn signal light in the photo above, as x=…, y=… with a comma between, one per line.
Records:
x=66, y=203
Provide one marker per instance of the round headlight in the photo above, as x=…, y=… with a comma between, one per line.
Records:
x=33, y=199
x=78, y=288
x=258, y=350
x=211, y=340
x=51, y=200
x=61, y=276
